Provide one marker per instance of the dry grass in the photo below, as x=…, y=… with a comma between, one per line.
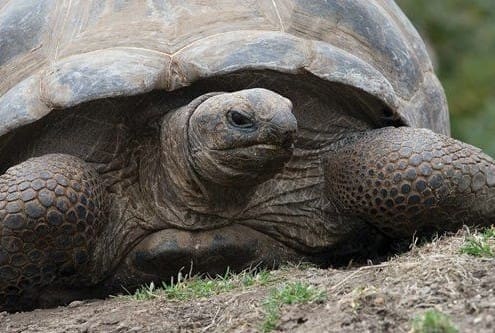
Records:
x=434, y=277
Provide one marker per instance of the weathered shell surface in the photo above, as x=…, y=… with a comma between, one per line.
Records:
x=59, y=53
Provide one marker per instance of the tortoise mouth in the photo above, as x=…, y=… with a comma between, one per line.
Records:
x=256, y=145
x=262, y=149
x=259, y=151
x=256, y=161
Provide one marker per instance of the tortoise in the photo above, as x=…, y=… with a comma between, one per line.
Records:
x=141, y=138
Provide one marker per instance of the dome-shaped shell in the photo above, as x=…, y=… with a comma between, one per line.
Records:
x=59, y=53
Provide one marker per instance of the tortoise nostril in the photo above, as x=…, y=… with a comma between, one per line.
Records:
x=288, y=139
x=287, y=143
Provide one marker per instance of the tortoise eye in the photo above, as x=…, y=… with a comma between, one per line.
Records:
x=239, y=119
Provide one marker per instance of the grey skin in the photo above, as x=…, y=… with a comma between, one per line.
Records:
x=195, y=180
x=194, y=175
x=121, y=165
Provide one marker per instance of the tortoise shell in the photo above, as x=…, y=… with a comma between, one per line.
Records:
x=58, y=54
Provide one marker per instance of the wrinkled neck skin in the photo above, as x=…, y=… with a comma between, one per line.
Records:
x=184, y=179
x=177, y=194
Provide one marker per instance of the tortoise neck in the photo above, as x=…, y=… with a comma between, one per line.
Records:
x=179, y=178
x=177, y=193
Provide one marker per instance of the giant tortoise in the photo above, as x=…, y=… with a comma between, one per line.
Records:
x=140, y=138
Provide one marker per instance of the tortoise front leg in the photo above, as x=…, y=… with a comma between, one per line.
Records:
x=404, y=180
x=50, y=207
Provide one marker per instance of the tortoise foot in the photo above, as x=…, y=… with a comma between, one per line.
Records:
x=406, y=180
x=49, y=209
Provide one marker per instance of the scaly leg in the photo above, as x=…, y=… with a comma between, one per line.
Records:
x=404, y=180
x=50, y=210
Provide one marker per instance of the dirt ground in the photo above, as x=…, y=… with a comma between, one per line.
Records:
x=373, y=298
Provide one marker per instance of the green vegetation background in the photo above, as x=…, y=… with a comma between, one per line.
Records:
x=462, y=36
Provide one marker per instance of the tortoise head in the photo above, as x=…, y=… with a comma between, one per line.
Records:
x=240, y=138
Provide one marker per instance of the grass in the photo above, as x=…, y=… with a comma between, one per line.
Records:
x=186, y=288
x=300, y=266
x=261, y=278
x=433, y=321
x=360, y=295
x=481, y=244
x=289, y=293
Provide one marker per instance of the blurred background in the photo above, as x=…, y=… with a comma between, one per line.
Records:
x=461, y=34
